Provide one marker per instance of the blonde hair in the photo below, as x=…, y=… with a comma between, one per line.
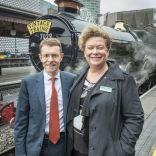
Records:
x=50, y=42
x=94, y=31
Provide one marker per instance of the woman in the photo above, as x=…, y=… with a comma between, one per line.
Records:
x=105, y=116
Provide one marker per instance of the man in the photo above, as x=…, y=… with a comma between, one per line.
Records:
x=42, y=106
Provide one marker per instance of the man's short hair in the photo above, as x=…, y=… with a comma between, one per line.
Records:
x=50, y=42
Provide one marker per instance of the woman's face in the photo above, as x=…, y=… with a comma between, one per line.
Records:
x=96, y=52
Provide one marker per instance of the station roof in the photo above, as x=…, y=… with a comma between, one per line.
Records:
x=20, y=17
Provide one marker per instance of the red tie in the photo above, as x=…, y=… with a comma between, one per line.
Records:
x=54, y=125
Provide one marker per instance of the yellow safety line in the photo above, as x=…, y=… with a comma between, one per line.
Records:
x=12, y=78
x=154, y=154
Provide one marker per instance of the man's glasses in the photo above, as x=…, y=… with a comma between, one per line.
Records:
x=85, y=92
x=47, y=56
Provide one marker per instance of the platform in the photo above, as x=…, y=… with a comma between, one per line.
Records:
x=15, y=74
x=146, y=144
x=14, y=62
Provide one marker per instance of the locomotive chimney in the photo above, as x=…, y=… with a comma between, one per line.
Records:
x=70, y=6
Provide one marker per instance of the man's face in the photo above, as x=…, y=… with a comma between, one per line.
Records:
x=51, y=58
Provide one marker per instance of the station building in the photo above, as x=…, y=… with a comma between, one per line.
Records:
x=136, y=18
x=47, y=8
x=17, y=14
x=93, y=6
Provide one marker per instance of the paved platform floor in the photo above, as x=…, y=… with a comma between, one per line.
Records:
x=16, y=73
x=148, y=101
x=146, y=144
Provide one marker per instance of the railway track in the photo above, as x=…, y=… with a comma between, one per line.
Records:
x=6, y=140
x=7, y=147
x=7, y=89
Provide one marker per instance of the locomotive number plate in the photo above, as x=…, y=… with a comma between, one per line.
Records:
x=39, y=26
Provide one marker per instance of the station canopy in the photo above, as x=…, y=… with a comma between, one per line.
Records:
x=12, y=17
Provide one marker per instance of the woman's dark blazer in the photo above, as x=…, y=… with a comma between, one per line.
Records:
x=116, y=117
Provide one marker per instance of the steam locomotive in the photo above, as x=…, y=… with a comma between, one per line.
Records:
x=131, y=49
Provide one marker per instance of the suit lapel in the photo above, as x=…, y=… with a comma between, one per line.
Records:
x=80, y=76
x=40, y=90
x=65, y=89
x=77, y=81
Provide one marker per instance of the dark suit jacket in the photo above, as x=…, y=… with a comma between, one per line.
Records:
x=31, y=112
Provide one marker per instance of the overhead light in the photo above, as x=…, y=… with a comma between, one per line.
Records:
x=13, y=30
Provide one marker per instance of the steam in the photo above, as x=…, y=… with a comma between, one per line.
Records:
x=144, y=77
x=77, y=67
x=141, y=63
x=32, y=70
x=146, y=56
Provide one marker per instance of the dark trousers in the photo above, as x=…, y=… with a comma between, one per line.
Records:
x=50, y=149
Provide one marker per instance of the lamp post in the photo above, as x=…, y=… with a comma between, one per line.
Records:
x=13, y=30
x=15, y=49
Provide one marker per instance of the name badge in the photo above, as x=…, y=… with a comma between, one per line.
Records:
x=106, y=89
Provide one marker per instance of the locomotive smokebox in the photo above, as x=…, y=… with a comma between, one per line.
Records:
x=70, y=6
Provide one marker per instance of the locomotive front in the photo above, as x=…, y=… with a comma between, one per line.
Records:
x=65, y=26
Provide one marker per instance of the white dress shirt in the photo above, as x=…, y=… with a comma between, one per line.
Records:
x=48, y=93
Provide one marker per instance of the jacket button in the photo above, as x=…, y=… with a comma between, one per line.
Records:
x=94, y=110
x=39, y=145
x=92, y=147
x=93, y=128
